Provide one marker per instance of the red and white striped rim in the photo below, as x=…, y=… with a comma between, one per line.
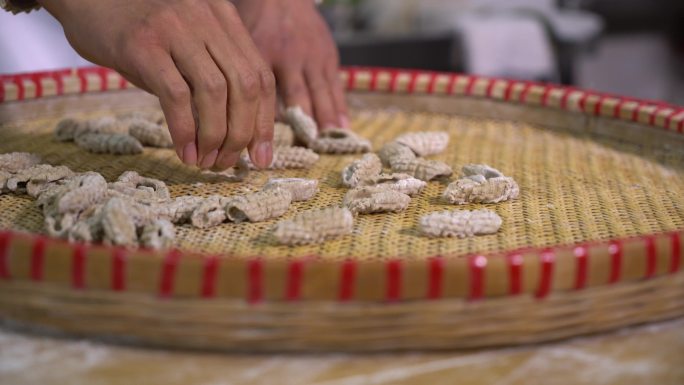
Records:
x=20, y=87
x=25, y=86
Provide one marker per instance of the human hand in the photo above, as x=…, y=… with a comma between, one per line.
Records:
x=294, y=39
x=216, y=91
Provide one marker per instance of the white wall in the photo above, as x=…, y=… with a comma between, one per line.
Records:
x=34, y=42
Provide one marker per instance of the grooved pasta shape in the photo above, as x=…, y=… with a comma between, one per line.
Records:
x=289, y=158
x=340, y=141
x=481, y=184
x=361, y=169
x=370, y=200
x=259, y=206
x=300, y=189
x=118, y=144
x=304, y=127
x=460, y=223
x=314, y=226
x=425, y=143
x=423, y=169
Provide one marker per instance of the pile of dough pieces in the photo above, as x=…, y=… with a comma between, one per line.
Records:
x=138, y=211
x=125, y=134
x=374, y=191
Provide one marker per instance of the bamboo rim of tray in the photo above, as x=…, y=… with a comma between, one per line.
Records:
x=612, y=283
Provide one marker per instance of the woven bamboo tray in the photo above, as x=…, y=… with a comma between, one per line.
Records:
x=592, y=244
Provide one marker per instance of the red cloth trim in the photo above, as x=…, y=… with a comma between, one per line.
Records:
x=347, y=280
x=78, y=261
x=515, y=264
x=393, y=280
x=582, y=258
x=295, y=276
x=435, y=277
x=5, y=240
x=675, y=244
x=119, y=255
x=38, y=258
x=168, y=273
x=615, y=250
x=209, y=275
x=547, y=260
x=255, y=281
x=477, y=265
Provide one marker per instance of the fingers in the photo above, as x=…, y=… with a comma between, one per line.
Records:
x=318, y=92
x=210, y=97
x=321, y=98
x=251, y=93
x=338, y=95
x=293, y=88
x=163, y=78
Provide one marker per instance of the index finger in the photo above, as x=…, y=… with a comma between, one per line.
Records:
x=160, y=75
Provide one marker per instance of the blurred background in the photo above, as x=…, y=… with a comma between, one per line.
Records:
x=628, y=47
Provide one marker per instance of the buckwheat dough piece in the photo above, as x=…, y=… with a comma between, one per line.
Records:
x=301, y=189
x=210, y=212
x=402, y=183
x=118, y=144
x=283, y=136
x=258, y=206
x=460, y=223
x=237, y=173
x=481, y=184
x=136, y=186
x=425, y=143
x=179, y=210
x=14, y=162
x=370, y=200
x=59, y=226
x=66, y=129
x=395, y=152
x=367, y=167
x=160, y=234
x=481, y=169
x=422, y=169
x=75, y=195
x=40, y=183
x=149, y=133
x=289, y=158
x=477, y=189
x=340, y=141
x=304, y=126
x=41, y=173
x=86, y=230
x=104, y=125
x=118, y=223
x=4, y=177
x=314, y=226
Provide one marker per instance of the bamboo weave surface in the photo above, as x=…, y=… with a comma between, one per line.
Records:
x=575, y=187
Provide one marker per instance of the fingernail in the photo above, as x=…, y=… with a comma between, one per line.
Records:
x=264, y=154
x=344, y=121
x=209, y=159
x=190, y=154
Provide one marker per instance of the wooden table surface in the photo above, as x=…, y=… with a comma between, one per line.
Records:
x=650, y=354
